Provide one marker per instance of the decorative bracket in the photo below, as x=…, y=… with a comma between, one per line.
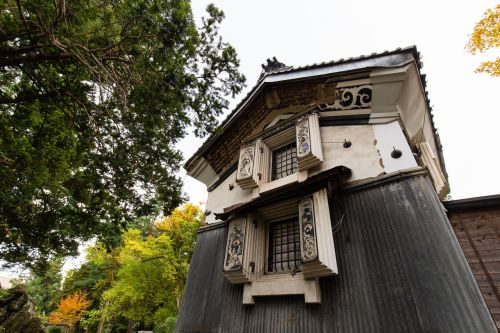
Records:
x=348, y=98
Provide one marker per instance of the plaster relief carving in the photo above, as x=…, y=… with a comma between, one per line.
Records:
x=235, y=245
x=246, y=162
x=308, y=137
x=303, y=137
x=308, y=230
x=348, y=98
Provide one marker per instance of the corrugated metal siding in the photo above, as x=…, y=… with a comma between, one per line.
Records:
x=370, y=293
x=400, y=270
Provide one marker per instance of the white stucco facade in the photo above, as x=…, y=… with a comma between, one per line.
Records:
x=368, y=156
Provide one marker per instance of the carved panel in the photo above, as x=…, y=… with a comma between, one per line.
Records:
x=303, y=137
x=309, y=151
x=309, y=249
x=317, y=247
x=246, y=163
x=235, y=245
x=348, y=98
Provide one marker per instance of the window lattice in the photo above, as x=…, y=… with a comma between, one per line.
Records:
x=284, y=246
x=284, y=161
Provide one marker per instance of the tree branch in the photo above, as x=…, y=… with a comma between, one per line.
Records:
x=27, y=98
x=7, y=162
x=6, y=51
x=21, y=15
x=14, y=61
x=153, y=258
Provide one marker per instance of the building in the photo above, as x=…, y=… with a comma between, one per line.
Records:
x=324, y=209
x=476, y=222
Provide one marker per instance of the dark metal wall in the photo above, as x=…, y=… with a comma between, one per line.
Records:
x=400, y=270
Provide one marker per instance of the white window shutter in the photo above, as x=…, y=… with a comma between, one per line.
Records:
x=309, y=150
x=316, y=237
x=235, y=251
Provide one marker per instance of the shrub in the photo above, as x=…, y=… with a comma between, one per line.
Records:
x=167, y=326
x=54, y=329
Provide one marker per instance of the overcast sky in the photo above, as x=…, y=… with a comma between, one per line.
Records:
x=466, y=105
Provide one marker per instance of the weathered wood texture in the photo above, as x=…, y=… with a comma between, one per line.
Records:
x=478, y=232
x=401, y=269
x=224, y=152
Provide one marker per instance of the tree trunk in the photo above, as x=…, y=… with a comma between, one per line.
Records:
x=131, y=325
x=101, y=325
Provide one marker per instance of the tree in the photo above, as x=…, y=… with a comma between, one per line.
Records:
x=45, y=287
x=70, y=310
x=146, y=279
x=181, y=228
x=94, y=276
x=93, y=97
x=486, y=35
x=153, y=269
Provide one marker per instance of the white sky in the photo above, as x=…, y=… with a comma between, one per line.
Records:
x=466, y=105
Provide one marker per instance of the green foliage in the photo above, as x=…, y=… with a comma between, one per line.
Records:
x=45, y=287
x=4, y=293
x=143, y=278
x=93, y=97
x=146, y=279
x=153, y=269
x=88, y=277
x=54, y=329
x=91, y=319
x=166, y=326
x=94, y=276
x=181, y=227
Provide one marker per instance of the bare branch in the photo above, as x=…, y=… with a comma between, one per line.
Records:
x=7, y=162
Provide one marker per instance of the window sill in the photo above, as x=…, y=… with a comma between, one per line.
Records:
x=282, y=284
x=275, y=184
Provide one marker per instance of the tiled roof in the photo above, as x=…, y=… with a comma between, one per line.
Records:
x=412, y=49
x=289, y=69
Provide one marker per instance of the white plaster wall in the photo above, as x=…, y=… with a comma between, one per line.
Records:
x=362, y=157
x=221, y=197
x=390, y=136
x=369, y=156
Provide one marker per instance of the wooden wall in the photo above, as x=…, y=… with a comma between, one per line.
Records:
x=478, y=232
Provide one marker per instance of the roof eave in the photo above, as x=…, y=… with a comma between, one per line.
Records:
x=388, y=59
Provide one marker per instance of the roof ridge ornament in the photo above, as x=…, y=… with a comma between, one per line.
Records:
x=273, y=66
